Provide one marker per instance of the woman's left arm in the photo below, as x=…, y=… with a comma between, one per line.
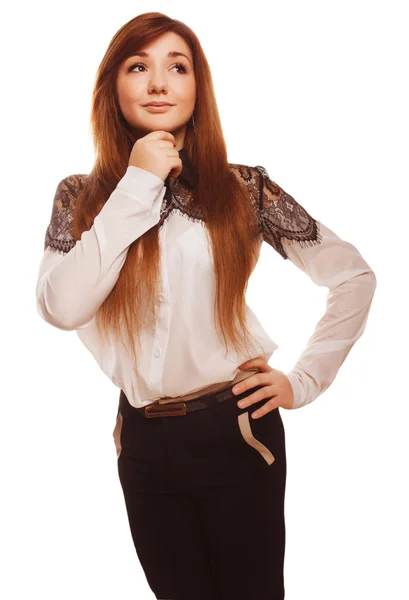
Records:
x=329, y=261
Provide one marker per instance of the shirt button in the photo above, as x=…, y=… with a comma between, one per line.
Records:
x=162, y=297
x=157, y=352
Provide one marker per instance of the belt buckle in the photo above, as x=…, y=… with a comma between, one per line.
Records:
x=176, y=409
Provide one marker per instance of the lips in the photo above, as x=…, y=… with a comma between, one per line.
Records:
x=158, y=104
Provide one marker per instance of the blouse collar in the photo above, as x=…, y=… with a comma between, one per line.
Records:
x=187, y=173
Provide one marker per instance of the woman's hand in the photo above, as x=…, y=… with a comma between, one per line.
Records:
x=155, y=152
x=277, y=386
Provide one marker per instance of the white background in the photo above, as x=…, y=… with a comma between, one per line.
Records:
x=317, y=93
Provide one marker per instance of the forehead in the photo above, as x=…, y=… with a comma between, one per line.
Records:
x=166, y=43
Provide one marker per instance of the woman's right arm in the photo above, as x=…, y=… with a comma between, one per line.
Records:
x=75, y=278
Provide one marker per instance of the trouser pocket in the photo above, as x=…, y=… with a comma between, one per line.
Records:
x=117, y=434
x=251, y=437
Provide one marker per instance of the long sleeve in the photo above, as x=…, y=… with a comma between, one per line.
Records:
x=75, y=277
x=329, y=261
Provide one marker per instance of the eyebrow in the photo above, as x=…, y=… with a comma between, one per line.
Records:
x=172, y=54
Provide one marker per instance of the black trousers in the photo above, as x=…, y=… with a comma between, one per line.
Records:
x=204, y=494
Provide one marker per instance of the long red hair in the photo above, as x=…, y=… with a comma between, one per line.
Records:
x=228, y=213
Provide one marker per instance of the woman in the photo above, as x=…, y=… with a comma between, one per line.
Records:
x=147, y=258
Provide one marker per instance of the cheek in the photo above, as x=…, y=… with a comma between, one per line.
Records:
x=133, y=93
x=129, y=91
x=185, y=90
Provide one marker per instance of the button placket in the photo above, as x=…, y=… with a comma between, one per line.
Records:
x=161, y=335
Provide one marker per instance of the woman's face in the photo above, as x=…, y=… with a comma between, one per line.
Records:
x=153, y=76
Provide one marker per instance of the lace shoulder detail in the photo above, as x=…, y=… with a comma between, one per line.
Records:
x=282, y=219
x=249, y=177
x=178, y=197
x=58, y=236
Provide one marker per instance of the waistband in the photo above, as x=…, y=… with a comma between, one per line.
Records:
x=180, y=409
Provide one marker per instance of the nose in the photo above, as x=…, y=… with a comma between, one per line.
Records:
x=157, y=82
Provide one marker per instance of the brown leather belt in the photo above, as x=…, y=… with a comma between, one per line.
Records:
x=180, y=409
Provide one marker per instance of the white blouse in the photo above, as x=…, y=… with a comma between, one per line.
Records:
x=184, y=353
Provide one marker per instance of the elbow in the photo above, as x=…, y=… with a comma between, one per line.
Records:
x=372, y=281
x=61, y=318
x=366, y=282
x=364, y=288
x=60, y=312
x=57, y=321
x=366, y=285
x=54, y=318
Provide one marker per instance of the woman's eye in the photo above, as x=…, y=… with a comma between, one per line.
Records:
x=178, y=65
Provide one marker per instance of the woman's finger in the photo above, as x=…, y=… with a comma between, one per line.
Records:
x=266, y=408
x=265, y=392
x=251, y=382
